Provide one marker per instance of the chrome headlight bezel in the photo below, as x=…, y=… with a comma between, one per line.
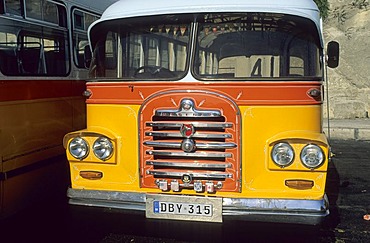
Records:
x=312, y=151
x=103, y=148
x=282, y=154
x=78, y=148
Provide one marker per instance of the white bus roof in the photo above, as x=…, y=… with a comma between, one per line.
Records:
x=136, y=8
x=139, y=8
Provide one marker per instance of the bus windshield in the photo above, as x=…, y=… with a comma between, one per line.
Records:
x=226, y=46
x=142, y=48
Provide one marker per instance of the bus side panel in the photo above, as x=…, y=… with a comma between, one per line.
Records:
x=32, y=155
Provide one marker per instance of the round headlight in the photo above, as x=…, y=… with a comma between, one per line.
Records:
x=103, y=148
x=282, y=154
x=79, y=148
x=312, y=156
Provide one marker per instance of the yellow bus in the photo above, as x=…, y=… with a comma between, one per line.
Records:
x=42, y=78
x=205, y=110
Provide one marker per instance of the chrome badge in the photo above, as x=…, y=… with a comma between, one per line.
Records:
x=187, y=130
x=188, y=145
x=187, y=105
x=186, y=178
x=187, y=109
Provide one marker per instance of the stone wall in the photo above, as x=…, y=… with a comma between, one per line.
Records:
x=349, y=84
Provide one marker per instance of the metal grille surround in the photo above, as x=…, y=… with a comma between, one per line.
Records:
x=190, y=143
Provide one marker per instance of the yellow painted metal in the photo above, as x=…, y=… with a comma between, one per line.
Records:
x=30, y=133
x=262, y=126
x=30, y=143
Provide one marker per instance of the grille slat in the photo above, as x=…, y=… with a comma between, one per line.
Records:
x=189, y=165
x=179, y=135
x=210, y=145
x=163, y=125
x=213, y=175
x=189, y=155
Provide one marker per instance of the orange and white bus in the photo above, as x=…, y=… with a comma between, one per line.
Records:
x=205, y=110
x=42, y=78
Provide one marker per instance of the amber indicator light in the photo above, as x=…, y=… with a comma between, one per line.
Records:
x=299, y=184
x=91, y=175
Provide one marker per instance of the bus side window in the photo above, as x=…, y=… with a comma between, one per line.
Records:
x=8, y=53
x=30, y=60
x=12, y=7
x=8, y=61
x=55, y=62
x=81, y=22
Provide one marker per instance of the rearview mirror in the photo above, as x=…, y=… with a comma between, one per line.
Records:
x=333, y=54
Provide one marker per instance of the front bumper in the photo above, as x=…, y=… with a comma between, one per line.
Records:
x=308, y=212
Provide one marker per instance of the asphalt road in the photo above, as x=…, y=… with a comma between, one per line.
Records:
x=348, y=191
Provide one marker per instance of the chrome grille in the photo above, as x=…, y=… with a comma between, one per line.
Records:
x=189, y=142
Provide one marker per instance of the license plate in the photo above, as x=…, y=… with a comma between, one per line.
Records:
x=184, y=208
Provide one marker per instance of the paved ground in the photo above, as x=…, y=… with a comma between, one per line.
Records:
x=348, y=190
x=356, y=129
x=348, y=187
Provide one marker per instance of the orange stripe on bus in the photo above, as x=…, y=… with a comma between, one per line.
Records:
x=279, y=93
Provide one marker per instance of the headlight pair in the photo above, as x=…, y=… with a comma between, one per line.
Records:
x=312, y=156
x=102, y=148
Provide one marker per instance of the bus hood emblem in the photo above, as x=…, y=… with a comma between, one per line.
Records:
x=187, y=130
x=187, y=109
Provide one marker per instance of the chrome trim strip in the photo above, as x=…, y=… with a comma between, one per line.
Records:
x=187, y=109
x=188, y=165
x=111, y=199
x=198, y=145
x=178, y=135
x=191, y=113
x=192, y=155
x=213, y=175
x=216, y=145
x=195, y=124
x=308, y=212
x=162, y=144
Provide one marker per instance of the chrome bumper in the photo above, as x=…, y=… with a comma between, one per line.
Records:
x=308, y=212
